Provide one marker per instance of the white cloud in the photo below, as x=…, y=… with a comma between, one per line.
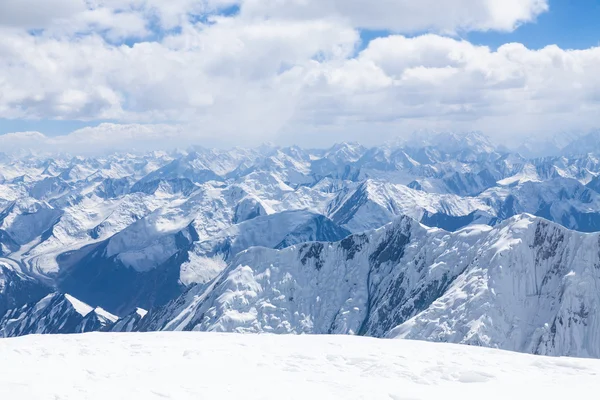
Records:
x=38, y=14
x=407, y=15
x=395, y=15
x=432, y=80
x=284, y=67
x=211, y=71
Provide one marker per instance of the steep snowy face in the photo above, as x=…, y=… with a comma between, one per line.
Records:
x=594, y=184
x=290, y=165
x=335, y=161
x=447, y=163
x=330, y=287
x=131, y=322
x=532, y=287
x=373, y=204
x=275, y=231
x=26, y=219
x=150, y=261
x=584, y=144
x=224, y=162
x=189, y=170
x=527, y=285
x=468, y=144
x=55, y=314
x=119, y=282
x=338, y=161
x=463, y=183
x=17, y=289
x=7, y=244
x=565, y=201
x=139, y=264
x=582, y=168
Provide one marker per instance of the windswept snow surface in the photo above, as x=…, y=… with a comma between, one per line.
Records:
x=229, y=366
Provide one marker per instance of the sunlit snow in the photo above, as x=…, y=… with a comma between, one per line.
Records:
x=229, y=366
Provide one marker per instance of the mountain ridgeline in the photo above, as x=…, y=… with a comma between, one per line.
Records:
x=444, y=239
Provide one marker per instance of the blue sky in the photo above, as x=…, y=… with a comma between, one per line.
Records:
x=570, y=24
x=228, y=77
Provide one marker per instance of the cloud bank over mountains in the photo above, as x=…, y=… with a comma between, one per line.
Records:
x=265, y=70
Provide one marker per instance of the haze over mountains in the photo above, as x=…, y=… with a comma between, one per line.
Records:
x=446, y=238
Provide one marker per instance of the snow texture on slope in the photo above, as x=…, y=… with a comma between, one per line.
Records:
x=55, y=314
x=192, y=366
x=527, y=285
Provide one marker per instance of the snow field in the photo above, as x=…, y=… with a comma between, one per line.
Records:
x=233, y=366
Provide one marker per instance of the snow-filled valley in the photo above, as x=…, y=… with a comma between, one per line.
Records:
x=227, y=366
x=448, y=239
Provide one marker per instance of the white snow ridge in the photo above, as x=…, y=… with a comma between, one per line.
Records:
x=225, y=366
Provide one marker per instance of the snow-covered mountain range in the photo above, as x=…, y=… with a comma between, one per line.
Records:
x=445, y=238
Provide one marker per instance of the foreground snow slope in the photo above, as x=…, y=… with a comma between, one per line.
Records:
x=229, y=366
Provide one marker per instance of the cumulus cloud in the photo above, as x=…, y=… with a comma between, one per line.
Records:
x=214, y=71
x=407, y=15
x=411, y=82
x=285, y=69
x=395, y=15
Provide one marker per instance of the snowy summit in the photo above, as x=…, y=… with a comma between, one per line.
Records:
x=225, y=366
